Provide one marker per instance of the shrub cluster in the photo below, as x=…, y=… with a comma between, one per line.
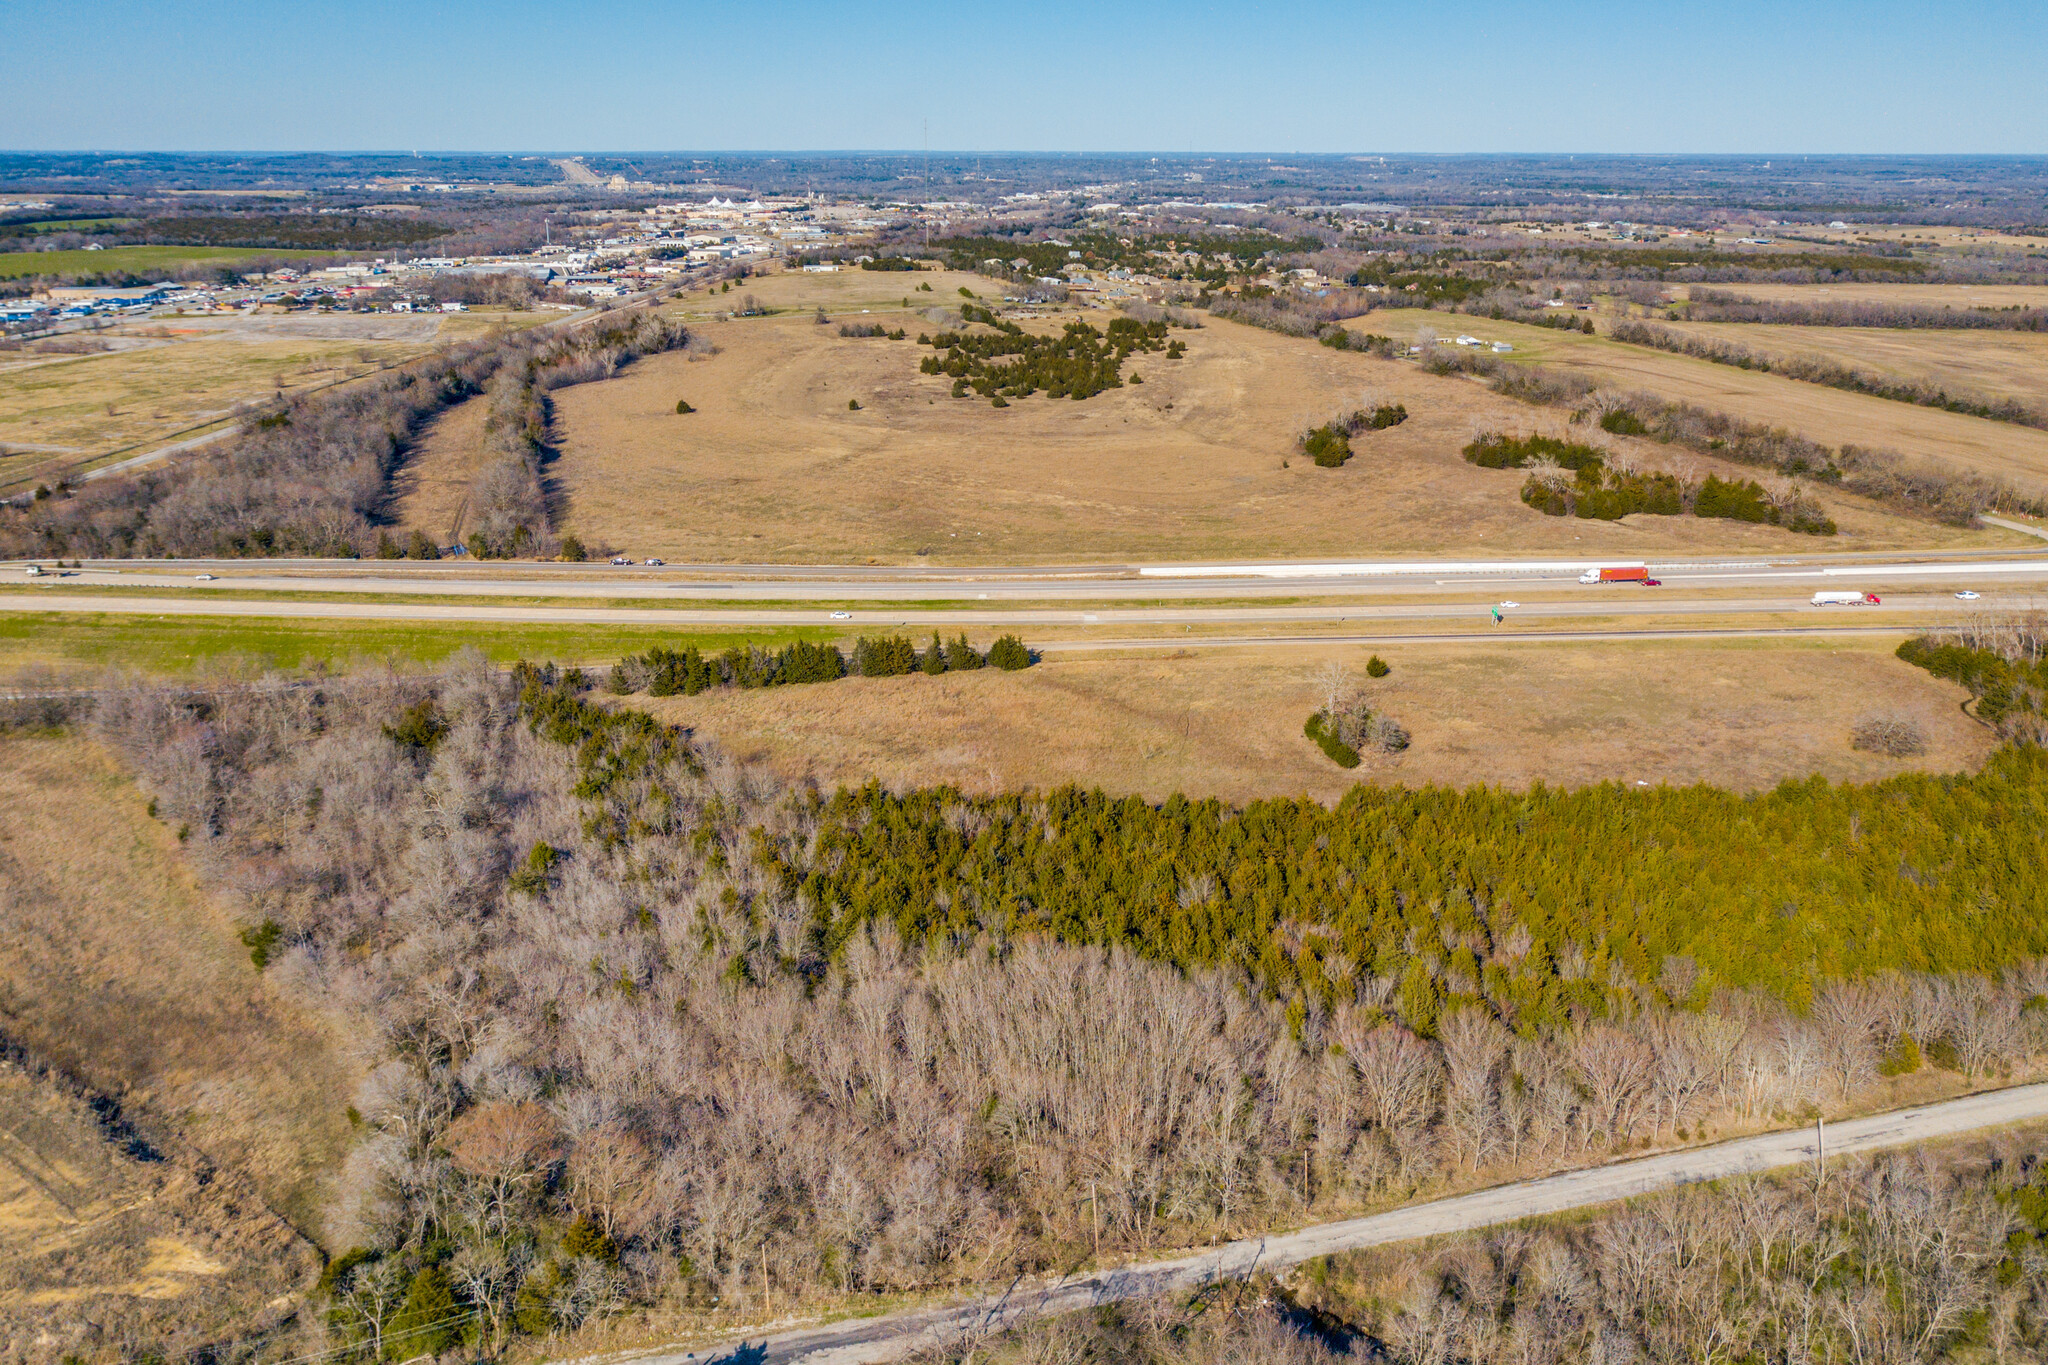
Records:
x=1355, y=728
x=1889, y=733
x=869, y=329
x=1319, y=729
x=1329, y=445
x=1570, y=479
x=1491, y=450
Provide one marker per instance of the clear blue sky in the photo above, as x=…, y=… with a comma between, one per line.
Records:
x=1114, y=75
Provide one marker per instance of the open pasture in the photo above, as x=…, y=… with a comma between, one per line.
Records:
x=1198, y=461
x=1831, y=416
x=1977, y=364
x=1228, y=723
x=845, y=292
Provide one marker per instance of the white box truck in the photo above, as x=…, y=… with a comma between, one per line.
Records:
x=1846, y=599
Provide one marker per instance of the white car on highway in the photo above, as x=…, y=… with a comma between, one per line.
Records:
x=1967, y=596
x=204, y=577
x=842, y=616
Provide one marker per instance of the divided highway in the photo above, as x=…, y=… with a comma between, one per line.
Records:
x=896, y=1335
x=1100, y=582
x=1329, y=601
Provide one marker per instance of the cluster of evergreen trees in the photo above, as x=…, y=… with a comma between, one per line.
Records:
x=1575, y=480
x=1012, y=363
x=891, y=656
x=1329, y=445
x=663, y=672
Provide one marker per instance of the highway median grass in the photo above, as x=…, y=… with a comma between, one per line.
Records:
x=175, y=645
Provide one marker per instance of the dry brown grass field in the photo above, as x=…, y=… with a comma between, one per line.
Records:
x=1196, y=462
x=1228, y=723
x=843, y=293
x=1976, y=363
x=115, y=968
x=431, y=490
x=1833, y=416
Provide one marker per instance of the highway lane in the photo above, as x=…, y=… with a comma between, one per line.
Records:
x=896, y=1335
x=2005, y=575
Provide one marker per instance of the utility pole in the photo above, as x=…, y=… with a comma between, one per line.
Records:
x=1820, y=1152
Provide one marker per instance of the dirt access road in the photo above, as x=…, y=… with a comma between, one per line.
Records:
x=891, y=1337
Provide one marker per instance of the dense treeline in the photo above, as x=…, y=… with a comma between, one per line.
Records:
x=323, y=231
x=1571, y=479
x=312, y=477
x=1711, y=305
x=1697, y=263
x=1009, y=362
x=1821, y=370
x=640, y=1024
